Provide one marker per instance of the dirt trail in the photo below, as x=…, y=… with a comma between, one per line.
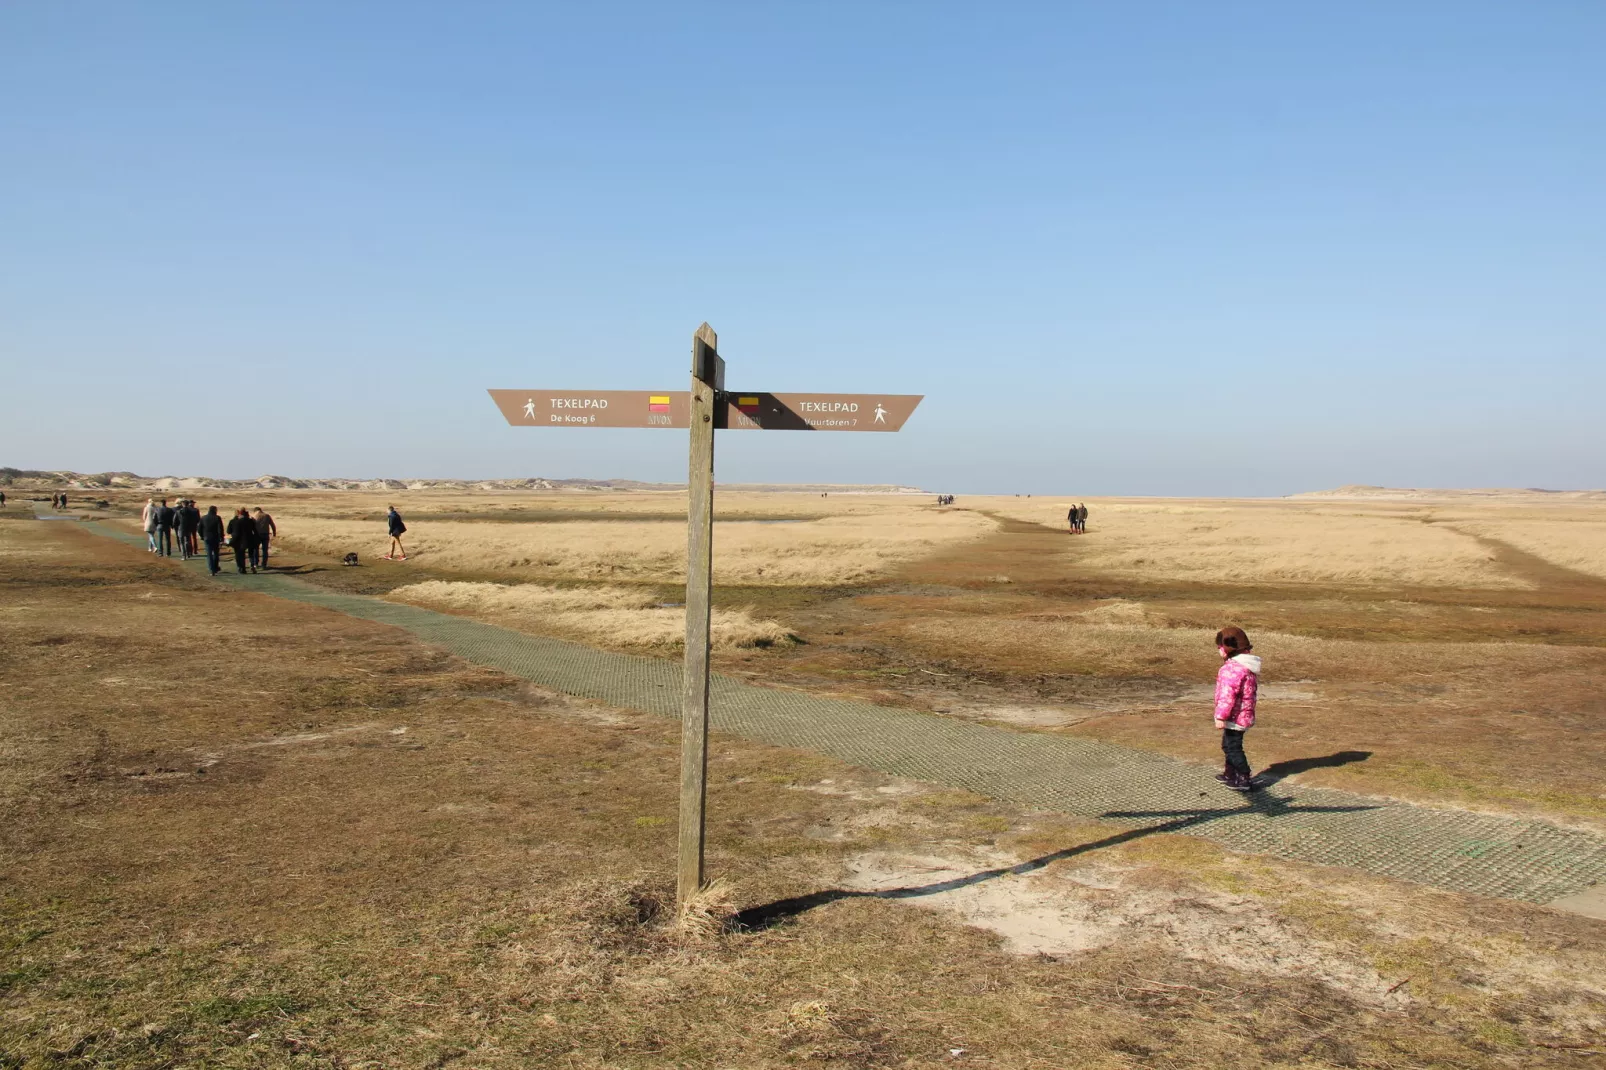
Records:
x=1557, y=584
x=1030, y=555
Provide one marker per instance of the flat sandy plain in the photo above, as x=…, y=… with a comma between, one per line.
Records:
x=395, y=859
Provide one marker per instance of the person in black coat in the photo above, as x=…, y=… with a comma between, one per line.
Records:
x=243, y=538
x=195, y=529
x=187, y=518
x=164, y=529
x=210, y=528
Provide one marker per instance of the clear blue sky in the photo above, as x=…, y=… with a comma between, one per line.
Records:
x=1149, y=248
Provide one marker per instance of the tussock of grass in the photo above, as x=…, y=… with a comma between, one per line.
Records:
x=617, y=616
x=707, y=913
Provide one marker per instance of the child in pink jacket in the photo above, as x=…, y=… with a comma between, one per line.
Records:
x=1236, y=685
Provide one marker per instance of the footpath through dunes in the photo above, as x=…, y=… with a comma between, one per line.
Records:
x=1138, y=792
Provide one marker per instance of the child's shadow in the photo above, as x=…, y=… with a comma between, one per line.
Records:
x=1283, y=770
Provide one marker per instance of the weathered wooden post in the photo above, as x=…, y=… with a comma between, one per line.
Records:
x=707, y=404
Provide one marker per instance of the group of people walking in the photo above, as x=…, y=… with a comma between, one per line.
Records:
x=1077, y=519
x=248, y=533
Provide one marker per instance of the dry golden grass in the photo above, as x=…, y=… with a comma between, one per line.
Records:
x=613, y=616
x=1264, y=542
x=844, y=549
x=728, y=504
x=1470, y=671
x=1115, y=640
x=1577, y=542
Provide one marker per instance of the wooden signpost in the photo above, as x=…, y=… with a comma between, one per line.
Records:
x=703, y=409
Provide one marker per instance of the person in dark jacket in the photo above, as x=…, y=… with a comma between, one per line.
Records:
x=266, y=530
x=210, y=528
x=180, y=509
x=393, y=521
x=195, y=529
x=164, y=530
x=188, y=519
x=253, y=552
x=243, y=539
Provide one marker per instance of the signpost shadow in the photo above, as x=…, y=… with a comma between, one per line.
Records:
x=771, y=914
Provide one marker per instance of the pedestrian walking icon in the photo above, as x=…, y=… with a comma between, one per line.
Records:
x=880, y=414
x=529, y=409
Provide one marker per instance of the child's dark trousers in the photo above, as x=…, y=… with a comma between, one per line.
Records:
x=1232, y=745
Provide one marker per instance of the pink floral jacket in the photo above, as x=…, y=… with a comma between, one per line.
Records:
x=1236, y=685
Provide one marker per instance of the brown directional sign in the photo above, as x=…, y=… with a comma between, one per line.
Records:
x=743, y=411
x=818, y=412
x=594, y=408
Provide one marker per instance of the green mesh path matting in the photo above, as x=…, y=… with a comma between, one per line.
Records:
x=1454, y=849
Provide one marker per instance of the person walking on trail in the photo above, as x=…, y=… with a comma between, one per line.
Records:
x=253, y=551
x=147, y=520
x=210, y=529
x=266, y=530
x=194, y=527
x=394, y=521
x=164, y=530
x=1237, y=683
x=188, y=518
x=242, y=540
x=1081, y=519
x=1070, y=520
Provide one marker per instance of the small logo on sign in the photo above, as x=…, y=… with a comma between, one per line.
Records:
x=658, y=403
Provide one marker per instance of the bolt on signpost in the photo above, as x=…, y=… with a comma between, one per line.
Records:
x=707, y=407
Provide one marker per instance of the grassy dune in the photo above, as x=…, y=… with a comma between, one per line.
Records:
x=842, y=549
x=617, y=616
x=1576, y=542
x=1269, y=542
x=1094, y=643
